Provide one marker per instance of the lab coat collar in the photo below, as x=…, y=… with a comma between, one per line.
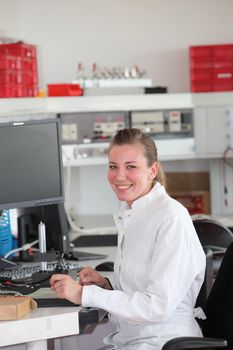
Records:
x=140, y=202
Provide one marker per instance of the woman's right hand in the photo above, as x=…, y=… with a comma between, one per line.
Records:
x=88, y=276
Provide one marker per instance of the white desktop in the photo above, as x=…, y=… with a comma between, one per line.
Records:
x=34, y=330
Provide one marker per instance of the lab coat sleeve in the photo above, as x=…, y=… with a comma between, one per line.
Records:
x=177, y=266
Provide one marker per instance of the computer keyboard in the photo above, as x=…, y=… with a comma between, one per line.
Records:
x=25, y=273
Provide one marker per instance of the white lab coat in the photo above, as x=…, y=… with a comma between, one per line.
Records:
x=159, y=270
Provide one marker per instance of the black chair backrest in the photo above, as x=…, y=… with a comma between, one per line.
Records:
x=208, y=281
x=212, y=233
x=219, y=305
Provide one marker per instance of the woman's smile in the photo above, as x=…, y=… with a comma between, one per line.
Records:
x=123, y=187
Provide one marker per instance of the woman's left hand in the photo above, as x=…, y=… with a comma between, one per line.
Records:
x=65, y=287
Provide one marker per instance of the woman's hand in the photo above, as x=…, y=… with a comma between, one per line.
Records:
x=89, y=276
x=65, y=287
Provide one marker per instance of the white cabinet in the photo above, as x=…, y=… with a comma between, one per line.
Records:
x=213, y=130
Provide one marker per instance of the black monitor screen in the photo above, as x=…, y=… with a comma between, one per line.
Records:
x=30, y=164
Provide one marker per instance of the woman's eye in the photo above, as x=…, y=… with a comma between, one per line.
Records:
x=112, y=167
x=131, y=166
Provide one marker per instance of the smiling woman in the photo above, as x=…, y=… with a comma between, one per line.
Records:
x=133, y=165
x=160, y=264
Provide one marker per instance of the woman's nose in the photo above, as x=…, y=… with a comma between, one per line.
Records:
x=121, y=175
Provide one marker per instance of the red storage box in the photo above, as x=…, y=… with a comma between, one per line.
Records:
x=64, y=90
x=18, y=90
x=18, y=49
x=211, y=68
x=9, y=76
x=18, y=70
x=9, y=62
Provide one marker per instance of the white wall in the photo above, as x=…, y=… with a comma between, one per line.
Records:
x=9, y=19
x=155, y=34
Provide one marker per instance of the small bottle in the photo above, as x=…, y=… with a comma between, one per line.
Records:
x=42, y=244
x=80, y=74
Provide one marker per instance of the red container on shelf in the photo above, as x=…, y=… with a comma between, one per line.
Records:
x=18, y=70
x=211, y=68
x=18, y=90
x=9, y=62
x=19, y=49
x=64, y=90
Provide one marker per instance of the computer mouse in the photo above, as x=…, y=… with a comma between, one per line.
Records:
x=105, y=266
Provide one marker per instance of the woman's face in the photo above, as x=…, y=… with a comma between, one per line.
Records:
x=129, y=174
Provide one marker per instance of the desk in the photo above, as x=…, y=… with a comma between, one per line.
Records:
x=38, y=326
x=49, y=323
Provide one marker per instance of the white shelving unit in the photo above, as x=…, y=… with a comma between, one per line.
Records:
x=27, y=106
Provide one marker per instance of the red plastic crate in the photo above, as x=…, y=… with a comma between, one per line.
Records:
x=10, y=90
x=18, y=90
x=223, y=52
x=200, y=52
x=64, y=90
x=211, y=68
x=211, y=51
x=17, y=63
x=27, y=77
x=18, y=49
x=28, y=64
x=212, y=74
x=18, y=77
x=30, y=90
x=8, y=76
x=205, y=86
x=18, y=70
x=9, y=62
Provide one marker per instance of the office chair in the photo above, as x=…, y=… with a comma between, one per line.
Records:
x=208, y=280
x=214, y=235
x=218, y=326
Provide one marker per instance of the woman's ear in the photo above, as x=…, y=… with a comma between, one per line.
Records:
x=154, y=170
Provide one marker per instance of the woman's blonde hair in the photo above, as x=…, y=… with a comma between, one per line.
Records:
x=132, y=136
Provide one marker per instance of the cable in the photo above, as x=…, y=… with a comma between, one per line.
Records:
x=24, y=247
x=99, y=230
x=10, y=292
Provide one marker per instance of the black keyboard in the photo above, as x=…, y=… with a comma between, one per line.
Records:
x=25, y=273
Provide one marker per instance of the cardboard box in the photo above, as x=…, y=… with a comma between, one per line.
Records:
x=192, y=189
x=188, y=181
x=15, y=307
x=197, y=202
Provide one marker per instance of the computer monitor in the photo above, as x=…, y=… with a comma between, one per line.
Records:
x=31, y=175
x=31, y=164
